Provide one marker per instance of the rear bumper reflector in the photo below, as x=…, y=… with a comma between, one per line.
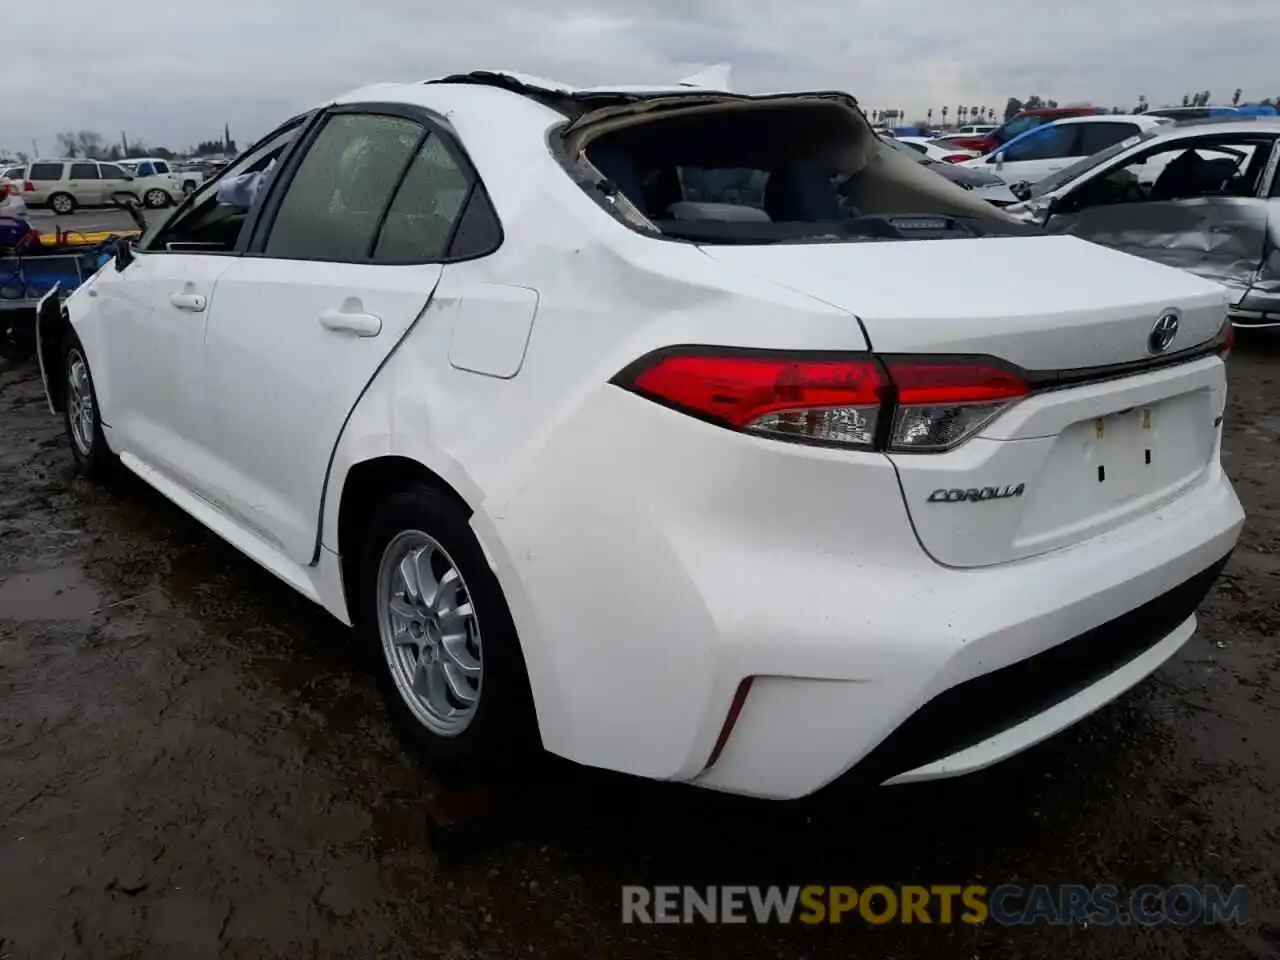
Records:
x=731, y=718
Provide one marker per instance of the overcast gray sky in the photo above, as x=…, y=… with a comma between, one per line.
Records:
x=172, y=71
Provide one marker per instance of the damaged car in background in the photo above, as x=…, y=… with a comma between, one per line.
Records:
x=983, y=184
x=1203, y=196
x=700, y=436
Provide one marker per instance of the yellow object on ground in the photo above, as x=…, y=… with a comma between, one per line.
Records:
x=87, y=238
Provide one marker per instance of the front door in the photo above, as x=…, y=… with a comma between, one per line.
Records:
x=115, y=180
x=1033, y=157
x=152, y=342
x=347, y=260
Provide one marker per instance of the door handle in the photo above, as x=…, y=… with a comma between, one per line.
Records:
x=191, y=302
x=361, y=324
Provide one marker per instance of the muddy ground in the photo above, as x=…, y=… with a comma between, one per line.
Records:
x=194, y=763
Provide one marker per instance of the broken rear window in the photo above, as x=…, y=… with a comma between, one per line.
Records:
x=760, y=171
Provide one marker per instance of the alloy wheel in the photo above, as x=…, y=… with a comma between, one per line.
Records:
x=79, y=403
x=430, y=633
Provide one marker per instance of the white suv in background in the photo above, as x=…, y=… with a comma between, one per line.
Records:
x=64, y=185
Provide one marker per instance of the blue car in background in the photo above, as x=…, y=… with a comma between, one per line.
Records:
x=1203, y=113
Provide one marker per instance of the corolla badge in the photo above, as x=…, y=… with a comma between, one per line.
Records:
x=976, y=494
x=1162, y=334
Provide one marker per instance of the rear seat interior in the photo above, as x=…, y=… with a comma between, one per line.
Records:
x=797, y=192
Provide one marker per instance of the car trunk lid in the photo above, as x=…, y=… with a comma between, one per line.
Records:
x=1111, y=429
x=1041, y=302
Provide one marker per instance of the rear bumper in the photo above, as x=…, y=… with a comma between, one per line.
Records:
x=1042, y=644
x=994, y=715
x=1256, y=309
x=662, y=561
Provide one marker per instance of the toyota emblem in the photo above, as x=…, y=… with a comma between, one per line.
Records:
x=1162, y=333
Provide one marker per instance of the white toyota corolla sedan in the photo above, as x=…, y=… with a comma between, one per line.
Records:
x=689, y=434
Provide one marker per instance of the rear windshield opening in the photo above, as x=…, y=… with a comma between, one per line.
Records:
x=802, y=169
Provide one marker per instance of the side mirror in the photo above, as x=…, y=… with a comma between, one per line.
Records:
x=998, y=159
x=124, y=253
x=128, y=176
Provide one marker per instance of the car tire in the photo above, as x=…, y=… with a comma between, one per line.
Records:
x=80, y=414
x=156, y=198
x=62, y=203
x=424, y=656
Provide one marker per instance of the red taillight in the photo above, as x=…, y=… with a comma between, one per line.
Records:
x=28, y=186
x=895, y=403
x=927, y=382
x=834, y=401
x=957, y=157
x=1228, y=339
x=943, y=402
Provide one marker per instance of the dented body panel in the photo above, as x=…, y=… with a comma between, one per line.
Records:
x=1233, y=240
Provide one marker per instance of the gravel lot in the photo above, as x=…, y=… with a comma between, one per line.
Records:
x=194, y=763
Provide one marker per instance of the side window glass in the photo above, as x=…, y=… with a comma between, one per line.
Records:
x=161, y=167
x=145, y=169
x=1181, y=172
x=1044, y=143
x=1019, y=125
x=1099, y=136
x=46, y=171
x=85, y=171
x=334, y=204
x=206, y=221
x=427, y=205
x=479, y=232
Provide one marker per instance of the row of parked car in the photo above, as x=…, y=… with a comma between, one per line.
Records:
x=64, y=185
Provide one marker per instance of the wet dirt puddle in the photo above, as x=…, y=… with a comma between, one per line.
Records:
x=63, y=593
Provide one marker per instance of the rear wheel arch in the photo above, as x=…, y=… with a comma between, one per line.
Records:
x=366, y=485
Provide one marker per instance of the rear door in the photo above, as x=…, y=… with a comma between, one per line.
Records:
x=84, y=181
x=347, y=258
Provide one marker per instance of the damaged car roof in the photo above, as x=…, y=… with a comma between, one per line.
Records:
x=575, y=102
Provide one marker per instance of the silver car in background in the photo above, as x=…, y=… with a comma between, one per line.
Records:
x=1202, y=195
